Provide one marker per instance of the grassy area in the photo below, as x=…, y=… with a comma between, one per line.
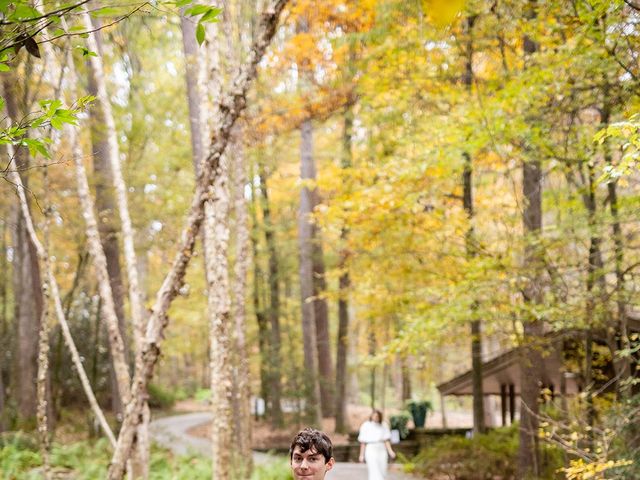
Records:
x=19, y=459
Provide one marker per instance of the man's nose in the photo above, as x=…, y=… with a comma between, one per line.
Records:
x=305, y=463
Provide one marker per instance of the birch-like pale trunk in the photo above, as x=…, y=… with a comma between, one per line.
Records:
x=43, y=364
x=128, y=235
x=241, y=433
x=231, y=105
x=242, y=401
x=140, y=464
x=215, y=240
x=108, y=309
x=216, y=250
x=14, y=177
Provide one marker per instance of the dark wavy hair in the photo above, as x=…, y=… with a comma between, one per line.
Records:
x=310, y=438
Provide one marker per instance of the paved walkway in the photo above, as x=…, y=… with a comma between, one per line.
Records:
x=171, y=433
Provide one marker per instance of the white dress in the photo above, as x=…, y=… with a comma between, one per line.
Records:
x=373, y=435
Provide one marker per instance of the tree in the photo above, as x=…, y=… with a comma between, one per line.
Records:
x=27, y=283
x=232, y=104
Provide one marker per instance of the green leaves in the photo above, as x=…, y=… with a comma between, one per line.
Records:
x=207, y=14
x=51, y=114
x=200, y=34
x=24, y=12
x=86, y=52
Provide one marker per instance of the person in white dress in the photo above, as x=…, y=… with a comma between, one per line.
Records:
x=375, y=446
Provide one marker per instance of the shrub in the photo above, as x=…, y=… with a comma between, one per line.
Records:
x=203, y=395
x=490, y=456
x=274, y=470
x=88, y=461
x=160, y=397
x=399, y=422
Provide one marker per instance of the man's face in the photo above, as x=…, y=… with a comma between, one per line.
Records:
x=309, y=465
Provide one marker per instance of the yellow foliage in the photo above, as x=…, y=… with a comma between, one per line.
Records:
x=580, y=470
x=442, y=12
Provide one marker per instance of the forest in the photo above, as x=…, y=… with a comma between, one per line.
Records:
x=287, y=213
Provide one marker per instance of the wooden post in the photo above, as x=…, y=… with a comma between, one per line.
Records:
x=503, y=403
x=444, y=415
x=512, y=403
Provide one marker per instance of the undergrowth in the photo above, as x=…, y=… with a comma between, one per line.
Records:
x=20, y=460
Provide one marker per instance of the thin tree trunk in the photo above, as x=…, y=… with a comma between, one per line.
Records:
x=475, y=326
x=344, y=284
x=258, y=309
x=140, y=464
x=27, y=285
x=275, y=343
x=622, y=364
x=242, y=434
x=102, y=97
x=216, y=245
x=531, y=359
x=4, y=326
x=326, y=378
x=116, y=343
x=467, y=182
x=406, y=379
x=305, y=239
x=43, y=348
x=233, y=102
x=55, y=295
x=594, y=275
x=105, y=207
x=531, y=355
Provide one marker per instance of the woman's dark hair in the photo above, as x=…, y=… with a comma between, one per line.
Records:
x=376, y=412
x=310, y=438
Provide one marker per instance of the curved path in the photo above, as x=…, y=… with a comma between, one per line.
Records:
x=171, y=433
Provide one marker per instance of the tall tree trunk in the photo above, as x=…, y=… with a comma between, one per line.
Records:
x=116, y=343
x=216, y=245
x=242, y=380
x=275, y=344
x=344, y=284
x=531, y=355
x=106, y=211
x=406, y=379
x=128, y=235
x=622, y=364
x=215, y=239
x=55, y=293
x=467, y=183
x=305, y=239
x=27, y=284
x=258, y=303
x=594, y=276
x=234, y=102
x=140, y=460
x=326, y=378
x=4, y=325
x=43, y=383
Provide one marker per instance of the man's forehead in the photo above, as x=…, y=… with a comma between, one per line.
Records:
x=312, y=450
